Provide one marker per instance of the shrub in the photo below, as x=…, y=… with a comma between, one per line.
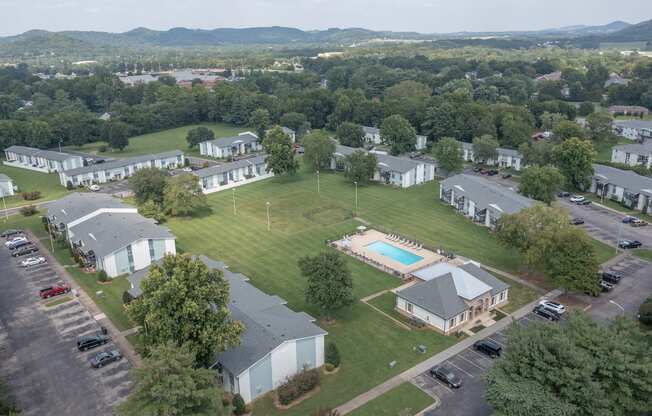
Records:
x=205, y=165
x=28, y=210
x=102, y=276
x=69, y=186
x=126, y=297
x=297, y=385
x=329, y=367
x=645, y=312
x=31, y=196
x=239, y=407
x=226, y=400
x=332, y=354
x=103, y=148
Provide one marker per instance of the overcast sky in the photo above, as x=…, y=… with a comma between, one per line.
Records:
x=426, y=16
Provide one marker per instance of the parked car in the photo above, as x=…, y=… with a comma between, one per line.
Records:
x=629, y=244
x=94, y=187
x=606, y=286
x=546, y=314
x=506, y=175
x=24, y=250
x=88, y=342
x=488, y=347
x=584, y=202
x=103, y=358
x=15, y=240
x=18, y=244
x=483, y=172
x=628, y=219
x=58, y=289
x=492, y=172
x=555, y=307
x=577, y=198
x=477, y=169
x=563, y=194
x=33, y=261
x=577, y=221
x=612, y=277
x=10, y=233
x=446, y=376
x=187, y=169
x=638, y=223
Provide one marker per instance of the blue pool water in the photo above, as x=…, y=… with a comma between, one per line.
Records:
x=393, y=252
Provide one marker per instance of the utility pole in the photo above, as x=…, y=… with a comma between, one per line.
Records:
x=317, y=181
x=269, y=228
x=356, y=197
x=5, y=205
x=234, y=209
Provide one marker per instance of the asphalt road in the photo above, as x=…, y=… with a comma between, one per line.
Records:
x=39, y=360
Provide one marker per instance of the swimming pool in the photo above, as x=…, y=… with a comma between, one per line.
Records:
x=393, y=252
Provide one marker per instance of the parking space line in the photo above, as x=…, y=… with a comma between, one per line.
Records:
x=470, y=362
x=440, y=383
x=480, y=355
x=461, y=369
x=496, y=341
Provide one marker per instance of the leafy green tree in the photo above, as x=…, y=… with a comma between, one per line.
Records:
x=485, y=149
x=541, y=183
x=280, y=155
x=581, y=368
x=332, y=355
x=350, y=134
x=599, y=125
x=148, y=184
x=318, y=150
x=360, y=167
x=565, y=129
x=397, y=132
x=550, y=120
x=260, y=120
x=574, y=158
x=239, y=407
x=448, y=153
x=183, y=195
x=116, y=134
x=293, y=120
x=199, y=134
x=537, y=153
x=151, y=209
x=330, y=284
x=586, y=108
x=645, y=312
x=186, y=303
x=39, y=134
x=168, y=383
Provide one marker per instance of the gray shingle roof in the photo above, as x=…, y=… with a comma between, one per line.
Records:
x=634, y=124
x=437, y=296
x=227, y=167
x=481, y=274
x=500, y=150
x=385, y=162
x=487, y=194
x=230, y=141
x=47, y=154
x=109, y=232
x=644, y=148
x=77, y=205
x=370, y=130
x=4, y=178
x=121, y=163
x=627, y=179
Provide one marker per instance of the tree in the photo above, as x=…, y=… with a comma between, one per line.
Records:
x=332, y=355
x=574, y=158
x=199, y=134
x=645, y=312
x=541, y=183
x=280, y=156
x=360, y=167
x=448, y=154
x=537, y=153
x=485, y=149
x=599, y=125
x=329, y=281
x=565, y=129
x=239, y=407
x=183, y=195
x=148, y=184
x=260, y=120
x=168, y=383
x=318, y=150
x=599, y=369
x=116, y=134
x=350, y=134
x=585, y=109
x=293, y=120
x=185, y=303
x=397, y=132
x=551, y=245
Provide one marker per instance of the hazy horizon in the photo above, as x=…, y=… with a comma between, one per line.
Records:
x=424, y=16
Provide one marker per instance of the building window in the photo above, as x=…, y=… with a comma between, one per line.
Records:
x=451, y=323
x=152, y=252
x=502, y=296
x=130, y=258
x=627, y=157
x=493, y=300
x=409, y=307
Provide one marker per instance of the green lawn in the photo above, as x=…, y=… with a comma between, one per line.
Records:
x=405, y=399
x=29, y=180
x=161, y=141
x=603, y=252
x=603, y=148
x=645, y=254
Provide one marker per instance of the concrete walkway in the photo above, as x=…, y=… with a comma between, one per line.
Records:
x=15, y=210
x=436, y=359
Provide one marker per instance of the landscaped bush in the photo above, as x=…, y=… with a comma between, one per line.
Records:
x=645, y=312
x=329, y=367
x=297, y=385
x=31, y=196
x=332, y=354
x=126, y=298
x=102, y=276
x=103, y=149
x=69, y=186
x=239, y=407
x=28, y=210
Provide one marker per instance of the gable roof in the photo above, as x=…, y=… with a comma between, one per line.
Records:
x=227, y=167
x=78, y=204
x=626, y=179
x=246, y=137
x=121, y=163
x=5, y=178
x=437, y=296
x=109, y=232
x=500, y=150
x=487, y=194
x=633, y=124
x=370, y=130
x=386, y=163
x=644, y=148
x=47, y=154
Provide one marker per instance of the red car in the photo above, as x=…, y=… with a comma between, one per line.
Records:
x=57, y=290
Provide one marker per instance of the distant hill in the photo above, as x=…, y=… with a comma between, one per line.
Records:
x=641, y=32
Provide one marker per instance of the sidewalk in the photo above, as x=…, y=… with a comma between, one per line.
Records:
x=118, y=338
x=436, y=359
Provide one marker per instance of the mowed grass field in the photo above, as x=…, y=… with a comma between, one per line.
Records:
x=29, y=180
x=161, y=141
x=301, y=222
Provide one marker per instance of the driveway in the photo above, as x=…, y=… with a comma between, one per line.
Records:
x=117, y=188
x=39, y=359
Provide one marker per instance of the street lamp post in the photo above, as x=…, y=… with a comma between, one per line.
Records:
x=4, y=203
x=268, y=223
x=234, y=209
x=356, y=197
x=613, y=302
x=620, y=229
x=317, y=181
x=60, y=141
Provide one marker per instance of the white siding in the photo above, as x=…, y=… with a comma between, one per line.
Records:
x=319, y=345
x=109, y=264
x=244, y=387
x=284, y=362
x=140, y=250
x=420, y=313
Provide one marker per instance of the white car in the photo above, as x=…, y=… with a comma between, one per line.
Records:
x=576, y=198
x=555, y=307
x=15, y=240
x=187, y=169
x=94, y=187
x=33, y=261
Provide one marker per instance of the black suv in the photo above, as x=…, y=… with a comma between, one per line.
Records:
x=445, y=375
x=612, y=277
x=488, y=347
x=21, y=251
x=546, y=313
x=91, y=341
x=10, y=233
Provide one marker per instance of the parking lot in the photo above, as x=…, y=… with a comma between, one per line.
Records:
x=40, y=361
x=117, y=188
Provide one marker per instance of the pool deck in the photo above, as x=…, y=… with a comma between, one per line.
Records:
x=357, y=243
